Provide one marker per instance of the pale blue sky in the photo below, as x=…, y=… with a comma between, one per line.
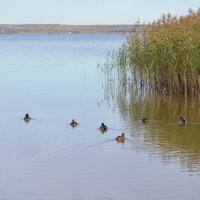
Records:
x=89, y=11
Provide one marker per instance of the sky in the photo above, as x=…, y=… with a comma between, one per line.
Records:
x=90, y=12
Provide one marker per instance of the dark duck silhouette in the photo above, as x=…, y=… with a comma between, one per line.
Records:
x=181, y=121
x=27, y=118
x=145, y=120
x=103, y=128
x=73, y=123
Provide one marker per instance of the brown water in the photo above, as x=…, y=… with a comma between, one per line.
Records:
x=55, y=79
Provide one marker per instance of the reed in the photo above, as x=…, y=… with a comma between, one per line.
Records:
x=165, y=57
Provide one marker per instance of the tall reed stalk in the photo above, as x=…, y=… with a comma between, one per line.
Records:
x=165, y=57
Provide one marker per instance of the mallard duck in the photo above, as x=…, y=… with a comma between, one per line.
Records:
x=74, y=123
x=181, y=121
x=121, y=138
x=27, y=118
x=145, y=120
x=103, y=128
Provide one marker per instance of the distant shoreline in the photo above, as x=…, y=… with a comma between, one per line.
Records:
x=66, y=29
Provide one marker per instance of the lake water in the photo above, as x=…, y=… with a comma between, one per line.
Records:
x=54, y=78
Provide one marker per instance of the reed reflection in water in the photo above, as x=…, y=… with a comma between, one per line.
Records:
x=161, y=136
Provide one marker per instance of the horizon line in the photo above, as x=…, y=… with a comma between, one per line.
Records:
x=72, y=24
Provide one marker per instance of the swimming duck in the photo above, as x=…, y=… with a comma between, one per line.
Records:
x=74, y=123
x=145, y=120
x=103, y=128
x=27, y=118
x=182, y=121
x=121, y=138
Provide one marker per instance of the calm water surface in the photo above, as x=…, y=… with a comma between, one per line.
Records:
x=55, y=78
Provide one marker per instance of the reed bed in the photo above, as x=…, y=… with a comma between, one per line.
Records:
x=165, y=57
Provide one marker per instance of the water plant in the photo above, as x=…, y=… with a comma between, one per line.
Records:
x=164, y=58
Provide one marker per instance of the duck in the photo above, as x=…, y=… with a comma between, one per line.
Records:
x=182, y=121
x=27, y=118
x=145, y=120
x=73, y=123
x=103, y=128
x=121, y=138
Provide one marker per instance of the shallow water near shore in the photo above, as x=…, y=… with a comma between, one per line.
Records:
x=55, y=78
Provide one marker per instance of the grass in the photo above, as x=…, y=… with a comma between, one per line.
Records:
x=164, y=58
